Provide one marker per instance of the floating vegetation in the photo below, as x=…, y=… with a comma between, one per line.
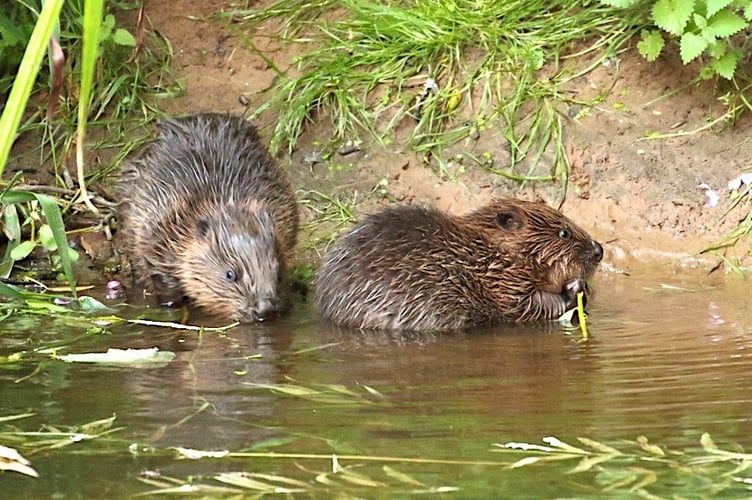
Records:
x=50, y=436
x=646, y=469
x=449, y=70
x=636, y=467
x=340, y=480
x=323, y=393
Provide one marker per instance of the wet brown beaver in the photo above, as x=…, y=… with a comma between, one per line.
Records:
x=208, y=214
x=413, y=268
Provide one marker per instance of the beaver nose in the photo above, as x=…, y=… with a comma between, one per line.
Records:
x=265, y=309
x=597, y=250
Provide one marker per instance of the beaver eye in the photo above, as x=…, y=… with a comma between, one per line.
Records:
x=231, y=276
x=565, y=234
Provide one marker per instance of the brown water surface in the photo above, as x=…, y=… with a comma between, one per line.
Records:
x=669, y=357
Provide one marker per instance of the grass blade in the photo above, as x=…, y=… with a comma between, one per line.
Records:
x=27, y=74
x=92, y=24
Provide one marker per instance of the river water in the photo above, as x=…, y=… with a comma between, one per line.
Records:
x=669, y=357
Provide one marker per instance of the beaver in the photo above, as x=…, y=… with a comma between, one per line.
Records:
x=417, y=268
x=207, y=214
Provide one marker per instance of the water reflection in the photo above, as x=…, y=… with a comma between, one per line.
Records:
x=668, y=357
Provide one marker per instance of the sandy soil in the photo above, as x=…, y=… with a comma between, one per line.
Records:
x=638, y=195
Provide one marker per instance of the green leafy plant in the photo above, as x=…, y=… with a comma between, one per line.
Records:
x=49, y=235
x=52, y=234
x=92, y=43
x=714, y=30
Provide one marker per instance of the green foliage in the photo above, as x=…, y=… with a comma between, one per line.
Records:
x=446, y=70
x=714, y=30
x=22, y=87
x=118, y=36
x=650, y=45
x=49, y=235
x=93, y=44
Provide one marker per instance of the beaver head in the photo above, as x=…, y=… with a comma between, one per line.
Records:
x=554, y=249
x=232, y=265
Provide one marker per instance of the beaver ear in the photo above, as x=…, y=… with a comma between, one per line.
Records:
x=510, y=220
x=202, y=228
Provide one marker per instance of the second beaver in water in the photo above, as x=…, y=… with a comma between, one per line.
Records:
x=413, y=268
x=208, y=214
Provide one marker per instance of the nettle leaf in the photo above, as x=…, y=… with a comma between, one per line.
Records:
x=123, y=37
x=716, y=5
x=691, y=46
x=717, y=49
x=651, y=45
x=700, y=21
x=673, y=15
x=726, y=65
x=748, y=10
x=724, y=24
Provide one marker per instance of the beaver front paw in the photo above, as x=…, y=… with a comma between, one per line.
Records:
x=571, y=288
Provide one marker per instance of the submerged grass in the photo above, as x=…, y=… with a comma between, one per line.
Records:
x=448, y=69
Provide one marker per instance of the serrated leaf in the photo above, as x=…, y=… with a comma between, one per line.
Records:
x=123, y=37
x=691, y=46
x=724, y=24
x=748, y=11
x=22, y=250
x=714, y=6
x=726, y=65
x=706, y=72
x=717, y=49
x=651, y=45
x=700, y=21
x=673, y=15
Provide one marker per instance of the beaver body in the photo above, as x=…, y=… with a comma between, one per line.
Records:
x=208, y=214
x=413, y=268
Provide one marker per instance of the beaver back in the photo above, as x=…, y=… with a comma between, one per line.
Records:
x=414, y=268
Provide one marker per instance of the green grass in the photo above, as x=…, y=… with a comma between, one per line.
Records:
x=90, y=101
x=331, y=216
x=439, y=70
